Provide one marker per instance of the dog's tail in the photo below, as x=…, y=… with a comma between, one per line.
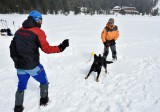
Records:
x=109, y=62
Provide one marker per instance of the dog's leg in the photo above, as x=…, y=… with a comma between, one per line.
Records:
x=106, y=70
x=104, y=64
x=98, y=73
x=88, y=74
x=105, y=67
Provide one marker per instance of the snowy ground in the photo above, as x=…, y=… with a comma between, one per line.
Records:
x=132, y=84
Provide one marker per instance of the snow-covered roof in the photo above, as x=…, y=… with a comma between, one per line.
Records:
x=116, y=8
x=129, y=8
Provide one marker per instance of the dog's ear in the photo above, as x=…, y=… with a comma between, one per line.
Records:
x=95, y=56
x=100, y=55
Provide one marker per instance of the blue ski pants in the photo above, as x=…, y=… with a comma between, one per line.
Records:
x=38, y=73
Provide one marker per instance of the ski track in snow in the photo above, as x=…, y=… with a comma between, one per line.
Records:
x=131, y=84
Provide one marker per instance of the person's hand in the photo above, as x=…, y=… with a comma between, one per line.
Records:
x=112, y=42
x=106, y=44
x=63, y=45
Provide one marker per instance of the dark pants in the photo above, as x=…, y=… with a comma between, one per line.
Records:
x=113, y=49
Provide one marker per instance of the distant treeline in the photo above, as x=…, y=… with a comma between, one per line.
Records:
x=65, y=6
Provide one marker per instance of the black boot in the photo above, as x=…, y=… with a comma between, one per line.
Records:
x=114, y=55
x=19, y=97
x=44, y=101
x=44, y=95
x=114, y=58
x=18, y=108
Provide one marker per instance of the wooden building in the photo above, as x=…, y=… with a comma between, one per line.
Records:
x=125, y=10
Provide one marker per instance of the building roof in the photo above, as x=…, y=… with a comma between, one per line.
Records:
x=116, y=8
x=129, y=9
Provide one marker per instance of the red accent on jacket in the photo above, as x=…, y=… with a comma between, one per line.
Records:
x=42, y=38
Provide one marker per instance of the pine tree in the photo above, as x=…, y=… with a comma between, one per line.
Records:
x=55, y=6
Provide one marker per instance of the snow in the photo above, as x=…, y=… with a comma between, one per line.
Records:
x=131, y=84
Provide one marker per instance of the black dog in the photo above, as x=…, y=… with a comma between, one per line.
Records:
x=97, y=65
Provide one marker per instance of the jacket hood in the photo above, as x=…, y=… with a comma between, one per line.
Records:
x=30, y=23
